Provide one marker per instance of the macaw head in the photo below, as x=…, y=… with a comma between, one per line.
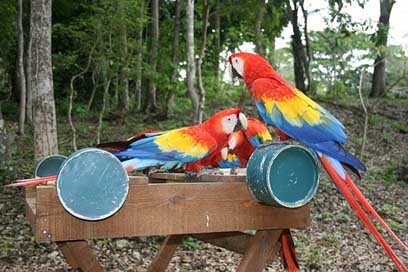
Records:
x=226, y=121
x=257, y=128
x=249, y=67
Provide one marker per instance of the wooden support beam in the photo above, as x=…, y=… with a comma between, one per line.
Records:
x=260, y=249
x=79, y=255
x=165, y=254
x=234, y=241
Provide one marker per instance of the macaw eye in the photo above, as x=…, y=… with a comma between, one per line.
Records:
x=229, y=118
x=236, y=60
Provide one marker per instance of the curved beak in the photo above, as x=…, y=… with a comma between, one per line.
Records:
x=243, y=120
x=224, y=153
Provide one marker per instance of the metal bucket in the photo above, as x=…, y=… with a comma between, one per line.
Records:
x=283, y=175
x=92, y=184
x=49, y=166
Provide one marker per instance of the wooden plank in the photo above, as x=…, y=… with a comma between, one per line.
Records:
x=260, y=249
x=234, y=241
x=79, y=255
x=168, y=208
x=30, y=211
x=165, y=253
x=205, y=177
x=137, y=180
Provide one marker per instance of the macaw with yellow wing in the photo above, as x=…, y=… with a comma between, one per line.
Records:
x=300, y=118
x=174, y=148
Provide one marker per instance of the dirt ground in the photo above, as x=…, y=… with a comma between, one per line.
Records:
x=335, y=241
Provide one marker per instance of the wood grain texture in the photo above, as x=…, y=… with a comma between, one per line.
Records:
x=260, y=249
x=79, y=255
x=165, y=253
x=204, y=177
x=165, y=209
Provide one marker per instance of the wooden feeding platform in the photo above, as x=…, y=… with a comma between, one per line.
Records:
x=214, y=209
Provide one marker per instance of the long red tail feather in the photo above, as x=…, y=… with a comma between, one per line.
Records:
x=34, y=181
x=348, y=195
x=288, y=250
x=367, y=206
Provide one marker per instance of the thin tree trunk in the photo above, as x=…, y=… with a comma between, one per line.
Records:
x=71, y=95
x=217, y=42
x=190, y=61
x=174, y=79
x=29, y=105
x=258, y=30
x=378, y=85
x=94, y=88
x=104, y=104
x=20, y=75
x=152, y=104
x=3, y=142
x=139, y=67
x=206, y=10
x=44, y=117
x=308, y=58
x=123, y=76
x=297, y=46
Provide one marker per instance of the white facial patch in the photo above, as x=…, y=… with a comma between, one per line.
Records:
x=228, y=123
x=238, y=65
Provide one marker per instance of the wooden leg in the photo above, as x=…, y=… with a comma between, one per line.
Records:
x=261, y=248
x=79, y=255
x=166, y=252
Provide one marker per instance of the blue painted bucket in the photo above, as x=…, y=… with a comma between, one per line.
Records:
x=92, y=184
x=49, y=166
x=283, y=175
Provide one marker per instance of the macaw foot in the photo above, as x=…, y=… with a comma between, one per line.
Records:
x=234, y=170
x=192, y=176
x=214, y=171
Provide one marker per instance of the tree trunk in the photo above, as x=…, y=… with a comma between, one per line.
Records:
x=20, y=75
x=174, y=79
x=308, y=57
x=258, y=31
x=3, y=142
x=29, y=105
x=206, y=10
x=297, y=46
x=190, y=60
x=44, y=117
x=139, y=67
x=378, y=84
x=152, y=104
x=123, y=76
x=217, y=42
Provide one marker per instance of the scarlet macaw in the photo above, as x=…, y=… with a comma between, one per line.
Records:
x=243, y=143
x=299, y=117
x=172, y=148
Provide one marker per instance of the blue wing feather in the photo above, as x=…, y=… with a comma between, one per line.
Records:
x=323, y=138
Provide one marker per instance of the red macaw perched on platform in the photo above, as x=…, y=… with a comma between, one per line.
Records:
x=243, y=143
x=297, y=116
x=185, y=145
x=174, y=148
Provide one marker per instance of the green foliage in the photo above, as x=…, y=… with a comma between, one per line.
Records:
x=390, y=174
x=190, y=243
x=6, y=244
